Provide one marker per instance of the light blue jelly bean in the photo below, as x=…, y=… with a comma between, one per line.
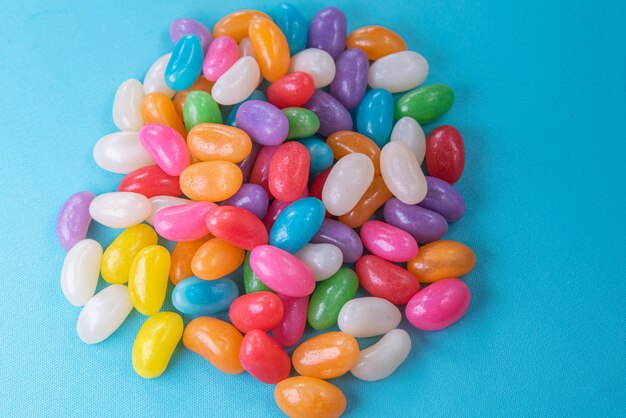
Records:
x=185, y=63
x=374, y=116
x=256, y=95
x=195, y=296
x=321, y=154
x=292, y=23
x=297, y=224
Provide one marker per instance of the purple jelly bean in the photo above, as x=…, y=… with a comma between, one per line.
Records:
x=331, y=113
x=423, y=224
x=252, y=198
x=327, y=31
x=341, y=235
x=184, y=26
x=248, y=162
x=350, y=81
x=74, y=219
x=444, y=199
x=265, y=123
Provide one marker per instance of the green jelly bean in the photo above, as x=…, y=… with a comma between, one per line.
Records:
x=200, y=108
x=250, y=280
x=329, y=297
x=425, y=104
x=302, y=122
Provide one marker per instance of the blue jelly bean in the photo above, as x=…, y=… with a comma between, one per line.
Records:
x=256, y=95
x=195, y=296
x=374, y=116
x=185, y=64
x=293, y=24
x=321, y=154
x=297, y=224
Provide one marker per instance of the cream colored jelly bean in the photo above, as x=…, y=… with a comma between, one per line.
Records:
x=410, y=132
x=127, y=106
x=154, y=82
x=120, y=209
x=398, y=72
x=347, y=183
x=383, y=358
x=237, y=83
x=402, y=173
x=121, y=153
x=368, y=317
x=103, y=314
x=316, y=62
x=245, y=48
x=81, y=270
x=323, y=260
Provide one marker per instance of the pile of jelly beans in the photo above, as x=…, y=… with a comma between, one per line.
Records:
x=302, y=182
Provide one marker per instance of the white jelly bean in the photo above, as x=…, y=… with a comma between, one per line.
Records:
x=402, y=173
x=323, y=260
x=347, y=183
x=316, y=62
x=155, y=78
x=410, y=132
x=103, y=314
x=383, y=358
x=81, y=270
x=245, y=48
x=237, y=83
x=368, y=317
x=161, y=202
x=398, y=72
x=120, y=209
x=121, y=153
x=127, y=106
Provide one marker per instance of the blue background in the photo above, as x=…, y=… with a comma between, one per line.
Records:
x=541, y=90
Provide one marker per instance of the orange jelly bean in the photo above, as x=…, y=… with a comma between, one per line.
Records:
x=326, y=356
x=442, y=260
x=375, y=196
x=376, y=41
x=211, y=181
x=236, y=24
x=215, y=259
x=179, y=100
x=182, y=255
x=158, y=107
x=270, y=48
x=309, y=397
x=343, y=143
x=217, y=341
x=211, y=141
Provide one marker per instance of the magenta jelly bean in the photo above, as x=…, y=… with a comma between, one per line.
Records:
x=291, y=327
x=289, y=171
x=439, y=305
x=282, y=271
x=250, y=197
x=166, y=146
x=184, y=222
x=221, y=55
x=247, y=164
x=388, y=242
x=276, y=208
x=332, y=114
x=261, y=168
x=342, y=236
x=74, y=219
x=265, y=123
x=184, y=26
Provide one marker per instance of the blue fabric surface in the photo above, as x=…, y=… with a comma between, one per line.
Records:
x=540, y=98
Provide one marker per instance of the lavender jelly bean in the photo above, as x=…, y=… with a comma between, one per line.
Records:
x=248, y=163
x=327, y=31
x=332, y=114
x=265, y=123
x=251, y=197
x=184, y=26
x=423, y=224
x=74, y=219
x=350, y=81
x=444, y=199
x=342, y=236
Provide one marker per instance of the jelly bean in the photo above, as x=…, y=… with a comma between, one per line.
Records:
x=150, y=181
x=182, y=254
x=308, y=397
x=162, y=202
x=154, y=81
x=155, y=343
x=251, y=282
x=333, y=116
x=407, y=130
x=236, y=24
x=376, y=41
x=201, y=84
x=216, y=258
x=292, y=24
x=443, y=199
x=250, y=197
x=323, y=260
x=270, y=48
x=74, y=219
x=261, y=169
x=297, y=224
x=326, y=356
x=120, y=209
x=166, y=146
x=388, y=242
x=439, y=305
x=121, y=153
x=317, y=186
x=375, y=196
x=291, y=326
x=237, y=83
x=259, y=310
x=375, y=116
x=200, y=108
x=342, y=236
x=185, y=64
x=237, y=226
x=276, y=209
x=321, y=154
x=264, y=122
x=264, y=358
x=423, y=224
x=343, y=143
x=329, y=297
x=194, y=296
x=426, y=103
x=184, y=222
x=385, y=280
x=103, y=314
x=184, y=26
x=245, y=48
x=383, y=358
x=441, y=260
x=347, y=182
x=327, y=31
x=212, y=181
x=211, y=141
x=316, y=62
x=127, y=106
x=215, y=340
x=292, y=90
x=289, y=171
x=398, y=72
x=445, y=154
x=402, y=173
x=221, y=55
x=247, y=164
x=350, y=81
x=147, y=279
x=81, y=270
x=282, y=271
x=302, y=122
x=368, y=317
x=119, y=255
x=158, y=108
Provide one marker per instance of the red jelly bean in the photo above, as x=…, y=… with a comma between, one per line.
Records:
x=237, y=226
x=289, y=171
x=259, y=310
x=385, y=280
x=261, y=167
x=264, y=358
x=292, y=90
x=318, y=185
x=445, y=154
x=150, y=181
x=276, y=208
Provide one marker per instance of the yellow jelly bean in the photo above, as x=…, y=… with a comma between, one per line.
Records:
x=155, y=343
x=118, y=257
x=147, y=281
x=270, y=48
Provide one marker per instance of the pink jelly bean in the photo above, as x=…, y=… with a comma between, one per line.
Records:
x=185, y=222
x=291, y=327
x=439, y=305
x=261, y=169
x=282, y=271
x=276, y=208
x=166, y=147
x=388, y=242
x=222, y=54
x=74, y=219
